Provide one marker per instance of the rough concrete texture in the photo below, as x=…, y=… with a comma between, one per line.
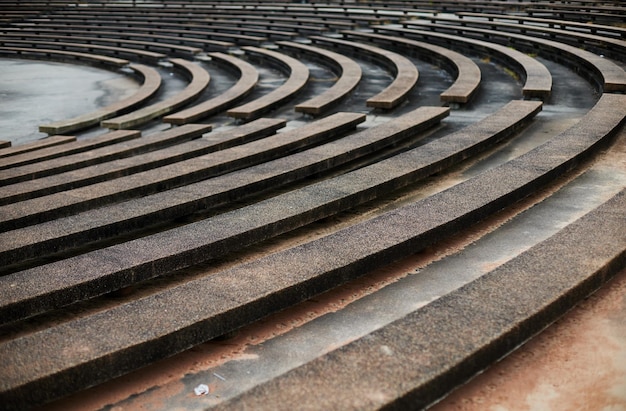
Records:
x=576, y=363
x=459, y=335
x=318, y=267
x=148, y=182
x=140, y=162
x=242, y=295
x=206, y=239
x=36, y=145
x=23, y=164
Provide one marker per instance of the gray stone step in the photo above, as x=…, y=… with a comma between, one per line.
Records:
x=412, y=362
x=199, y=81
x=537, y=78
x=215, y=141
x=45, y=154
x=120, y=149
x=298, y=76
x=248, y=78
x=35, y=145
x=268, y=219
x=210, y=306
x=404, y=71
x=349, y=73
x=185, y=172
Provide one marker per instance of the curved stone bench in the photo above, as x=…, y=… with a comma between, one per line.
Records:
x=32, y=159
x=241, y=35
x=466, y=71
x=248, y=78
x=329, y=24
x=552, y=23
x=199, y=82
x=148, y=30
x=49, y=141
x=151, y=84
x=475, y=324
x=537, y=78
x=215, y=141
x=279, y=279
x=296, y=27
x=117, y=50
x=378, y=7
x=63, y=55
x=137, y=33
x=608, y=76
x=96, y=195
x=71, y=41
x=584, y=16
x=610, y=47
x=259, y=224
x=298, y=77
x=96, y=155
x=272, y=32
x=111, y=14
x=380, y=10
x=349, y=77
x=341, y=9
x=405, y=72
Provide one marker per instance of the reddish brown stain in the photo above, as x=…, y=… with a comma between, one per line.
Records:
x=579, y=363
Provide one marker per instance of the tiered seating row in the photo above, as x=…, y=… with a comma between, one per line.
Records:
x=537, y=78
x=406, y=73
x=151, y=84
x=243, y=293
x=199, y=81
x=58, y=205
x=298, y=77
x=7, y=150
x=81, y=219
x=608, y=75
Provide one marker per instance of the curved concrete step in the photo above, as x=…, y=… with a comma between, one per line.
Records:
x=244, y=293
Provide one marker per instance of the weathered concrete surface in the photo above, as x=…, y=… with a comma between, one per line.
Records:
x=149, y=87
x=141, y=162
x=194, y=243
x=475, y=170
x=30, y=164
x=36, y=145
x=399, y=368
x=244, y=293
x=46, y=208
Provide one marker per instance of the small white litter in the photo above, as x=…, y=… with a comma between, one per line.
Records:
x=201, y=389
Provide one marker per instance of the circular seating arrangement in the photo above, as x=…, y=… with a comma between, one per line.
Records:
x=312, y=146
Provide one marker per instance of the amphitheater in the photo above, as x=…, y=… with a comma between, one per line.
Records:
x=324, y=205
